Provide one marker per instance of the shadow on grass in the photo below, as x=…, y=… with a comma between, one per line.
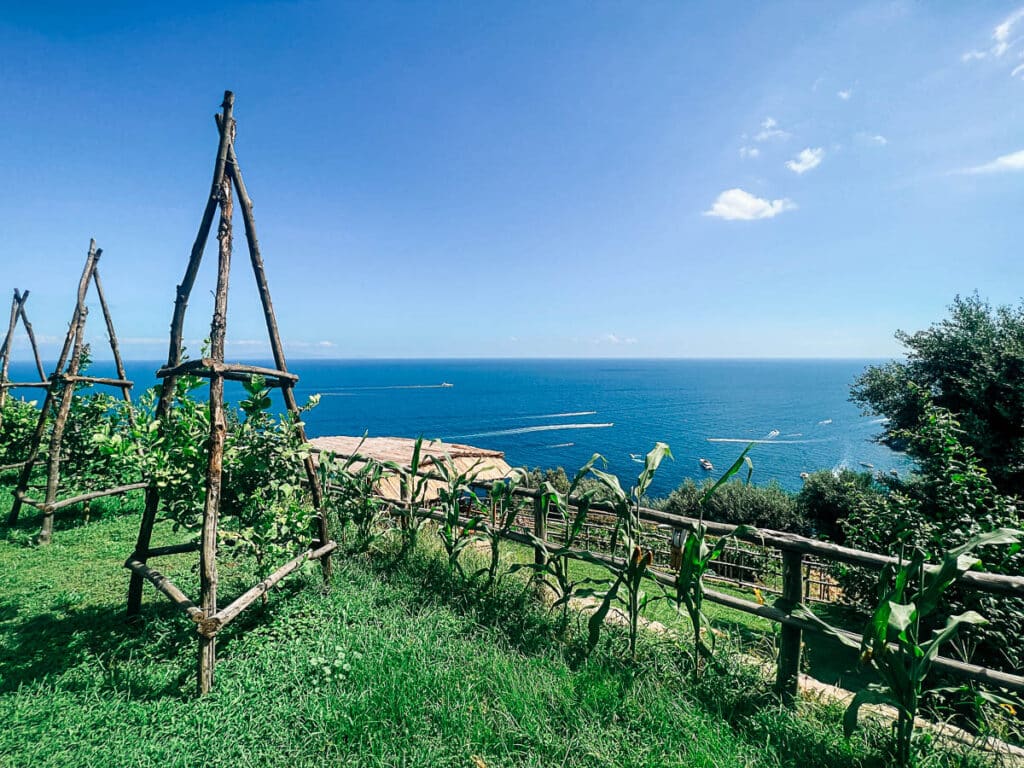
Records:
x=30, y=519
x=53, y=643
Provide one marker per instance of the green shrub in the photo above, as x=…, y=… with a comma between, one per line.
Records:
x=19, y=420
x=735, y=502
x=829, y=499
x=949, y=501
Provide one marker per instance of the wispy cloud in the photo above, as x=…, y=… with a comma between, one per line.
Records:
x=614, y=339
x=740, y=205
x=1002, y=41
x=749, y=152
x=807, y=160
x=844, y=95
x=1011, y=163
x=874, y=139
x=770, y=130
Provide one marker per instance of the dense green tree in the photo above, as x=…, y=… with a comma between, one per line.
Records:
x=971, y=364
x=828, y=499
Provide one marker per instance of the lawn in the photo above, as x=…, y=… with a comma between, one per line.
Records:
x=398, y=664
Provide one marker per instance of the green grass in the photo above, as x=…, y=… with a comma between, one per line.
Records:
x=399, y=664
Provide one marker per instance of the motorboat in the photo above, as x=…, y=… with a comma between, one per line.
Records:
x=705, y=464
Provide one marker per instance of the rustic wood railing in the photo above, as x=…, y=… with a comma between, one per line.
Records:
x=793, y=549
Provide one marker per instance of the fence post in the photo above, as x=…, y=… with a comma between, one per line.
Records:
x=790, y=640
x=540, y=526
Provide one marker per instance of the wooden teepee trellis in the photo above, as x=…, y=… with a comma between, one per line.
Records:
x=61, y=391
x=208, y=618
x=18, y=312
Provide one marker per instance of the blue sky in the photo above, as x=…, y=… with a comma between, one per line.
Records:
x=523, y=179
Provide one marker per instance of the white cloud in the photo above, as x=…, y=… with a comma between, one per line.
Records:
x=740, y=205
x=616, y=339
x=1001, y=40
x=807, y=159
x=1010, y=163
x=875, y=139
x=1001, y=34
x=770, y=130
x=749, y=152
x=844, y=95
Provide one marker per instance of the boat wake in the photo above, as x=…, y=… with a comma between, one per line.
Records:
x=761, y=442
x=561, y=415
x=345, y=390
x=526, y=430
x=560, y=445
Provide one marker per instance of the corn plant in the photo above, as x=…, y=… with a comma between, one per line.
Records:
x=414, y=485
x=697, y=558
x=350, y=489
x=554, y=571
x=630, y=572
x=894, y=642
x=505, y=508
x=460, y=523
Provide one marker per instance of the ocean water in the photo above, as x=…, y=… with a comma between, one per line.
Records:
x=559, y=412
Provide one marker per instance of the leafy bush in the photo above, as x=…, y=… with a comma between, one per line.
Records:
x=266, y=508
x=83, y=464
x=738, y=503
x=17, y=423
x=949, y=501
x=829, y=499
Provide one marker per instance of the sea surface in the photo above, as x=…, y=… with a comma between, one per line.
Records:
x=551, y=413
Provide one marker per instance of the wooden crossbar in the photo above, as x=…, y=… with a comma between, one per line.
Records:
x=173, y=549
x=165, y=586
x=207, y=367
x=95, y=380
x=219, y=620
x=97, y=495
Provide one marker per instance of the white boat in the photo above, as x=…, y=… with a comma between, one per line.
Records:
x=804, y=475
x=706, y=464
x=447, y=384
x=637, y=458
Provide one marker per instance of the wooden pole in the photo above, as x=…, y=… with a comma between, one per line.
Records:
x=256, y=259
x=218, y=429
x=31, y=337
x=174, y=352
x=790, y=636
x=540, y=526
x=5, y=353
x=126, y=390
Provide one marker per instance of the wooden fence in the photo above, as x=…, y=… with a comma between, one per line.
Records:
x=804, y=565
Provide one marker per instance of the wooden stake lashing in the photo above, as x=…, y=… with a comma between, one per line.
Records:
x=5, y=353
x=176, y=350
x=61, y=390
x=234, y=170
x=209, y=620
x=17, y=310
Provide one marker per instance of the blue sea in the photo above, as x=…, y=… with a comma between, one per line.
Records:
x=551, y=413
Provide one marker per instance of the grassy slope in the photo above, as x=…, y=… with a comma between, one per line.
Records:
x=396, y=666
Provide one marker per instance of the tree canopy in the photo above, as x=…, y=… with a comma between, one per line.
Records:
x=971, y=364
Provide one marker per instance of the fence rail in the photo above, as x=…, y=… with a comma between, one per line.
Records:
x=804, y=563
